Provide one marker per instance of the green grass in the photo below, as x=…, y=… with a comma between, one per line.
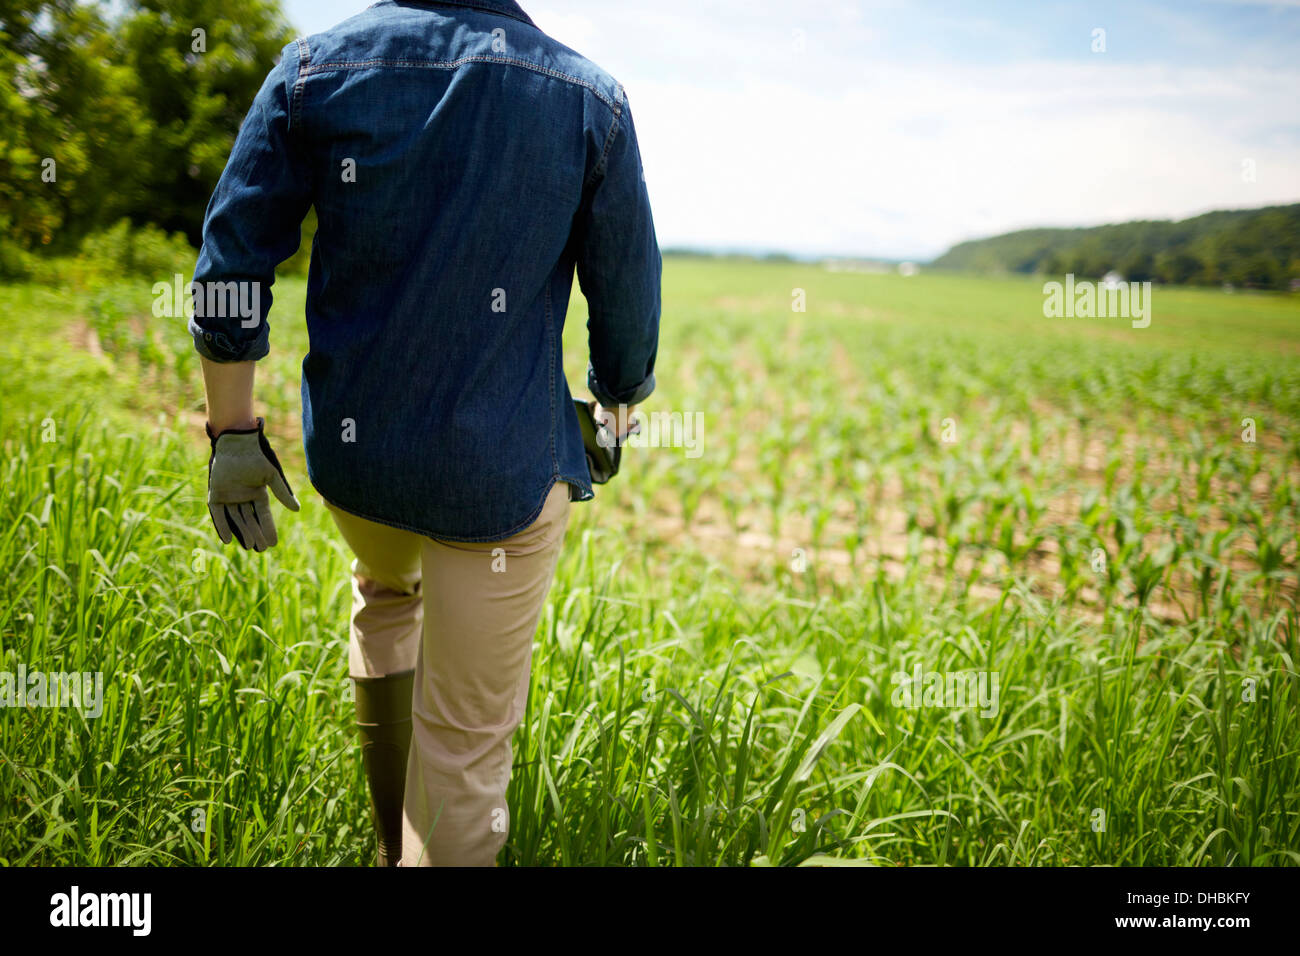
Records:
x=713, y=673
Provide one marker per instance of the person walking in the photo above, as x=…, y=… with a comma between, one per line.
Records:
x=463, y=166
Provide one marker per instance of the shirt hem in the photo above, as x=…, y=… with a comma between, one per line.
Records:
x=438, y=536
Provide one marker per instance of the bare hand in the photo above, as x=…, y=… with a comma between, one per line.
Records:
x=618, y=420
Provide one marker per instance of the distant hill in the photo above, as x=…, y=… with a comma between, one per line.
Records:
x=1257, y=248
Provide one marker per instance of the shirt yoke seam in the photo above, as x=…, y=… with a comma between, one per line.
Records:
x=329, y=66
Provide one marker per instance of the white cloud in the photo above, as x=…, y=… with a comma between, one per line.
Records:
x=572, y=29
x=874, y=141
x=920, y=159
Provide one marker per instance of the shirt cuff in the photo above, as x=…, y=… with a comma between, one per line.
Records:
x=216, y=346
x=608, y=399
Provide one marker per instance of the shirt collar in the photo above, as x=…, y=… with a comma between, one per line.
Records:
x=507, y=8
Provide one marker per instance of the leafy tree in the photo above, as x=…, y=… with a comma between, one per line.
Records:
x=1178, y=267
x=198, y=65
x=120, y=110
x=1138, y=266
x=70, y=124
x=1262, y=271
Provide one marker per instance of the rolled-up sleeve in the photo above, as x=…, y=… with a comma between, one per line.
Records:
x=253, y=223
x=619, y=269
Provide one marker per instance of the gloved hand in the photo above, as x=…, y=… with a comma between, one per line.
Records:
x=241, y=467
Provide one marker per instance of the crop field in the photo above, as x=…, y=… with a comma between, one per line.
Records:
x=937, y=580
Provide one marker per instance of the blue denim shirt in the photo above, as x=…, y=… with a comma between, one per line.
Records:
x=462, y=165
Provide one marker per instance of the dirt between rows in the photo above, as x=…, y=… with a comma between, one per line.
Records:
x=745, y=544
x=1078, y=460
x=762, y=561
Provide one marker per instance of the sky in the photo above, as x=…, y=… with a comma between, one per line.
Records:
x=896, y=128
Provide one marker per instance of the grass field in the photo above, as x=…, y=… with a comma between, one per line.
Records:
x=914, y=476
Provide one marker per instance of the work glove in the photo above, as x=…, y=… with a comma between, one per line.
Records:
x=240, y=469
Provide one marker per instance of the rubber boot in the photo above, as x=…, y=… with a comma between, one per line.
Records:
x=384, y=724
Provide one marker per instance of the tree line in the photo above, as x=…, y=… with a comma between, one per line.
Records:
x=122, y=111
x=1250, y=248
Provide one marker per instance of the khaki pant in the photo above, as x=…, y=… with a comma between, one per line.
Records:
x=464, y=616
